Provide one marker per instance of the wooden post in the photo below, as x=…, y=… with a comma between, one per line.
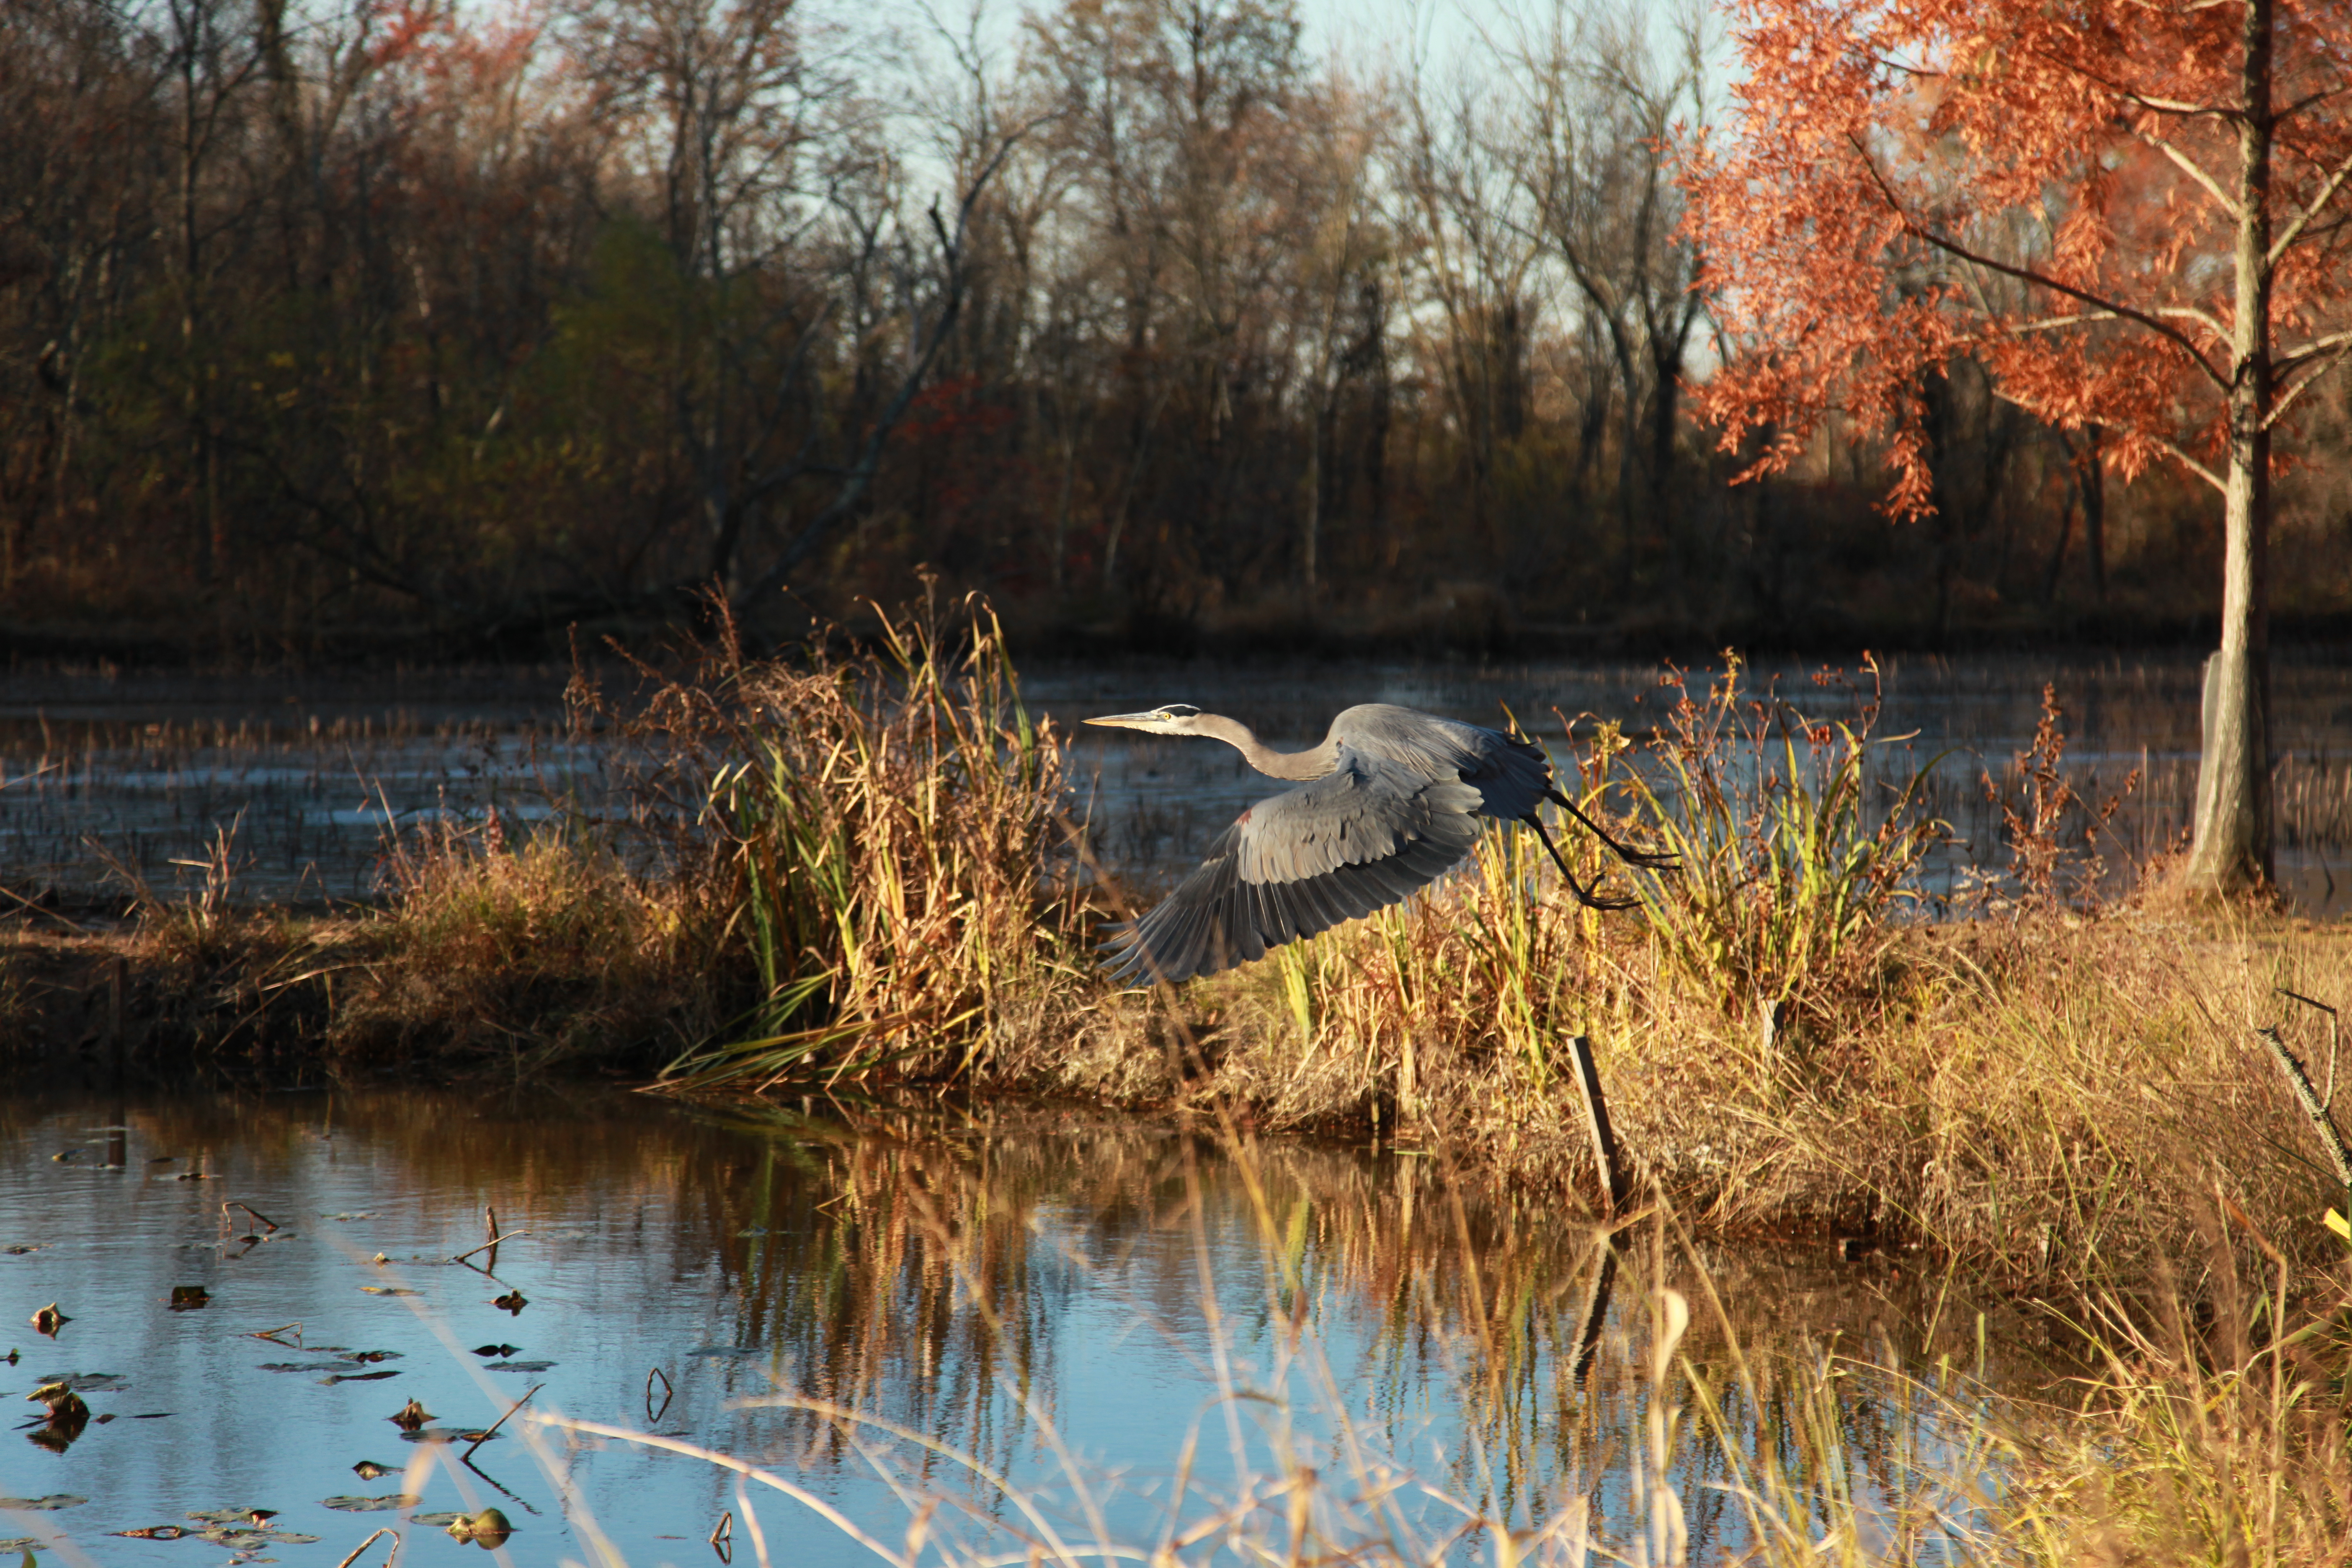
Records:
x=1596, y=1120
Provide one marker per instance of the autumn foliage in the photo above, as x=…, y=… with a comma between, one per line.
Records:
x=2133, y=218
x=2043, y=188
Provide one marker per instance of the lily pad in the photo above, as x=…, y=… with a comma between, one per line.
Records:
x=441, y=1520
x=23, y=1247
x=496, y=1350
x=223, y=1516
x=348, y=1503
x=247, y=1540
x=361, y=1376
x=49, y=1504
x=86, y=1381
x=152, y=1532
x=450, y=1435
x=386, y=1290
x=305, y=1366
x=519, y=1366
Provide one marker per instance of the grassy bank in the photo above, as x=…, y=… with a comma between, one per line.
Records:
x=858, y=867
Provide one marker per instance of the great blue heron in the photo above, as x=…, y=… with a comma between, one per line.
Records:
x=1393, y=802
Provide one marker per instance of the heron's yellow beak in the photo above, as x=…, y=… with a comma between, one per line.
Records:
x=1127, y=720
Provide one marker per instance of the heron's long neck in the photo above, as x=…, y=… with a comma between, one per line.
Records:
x=1311, y=764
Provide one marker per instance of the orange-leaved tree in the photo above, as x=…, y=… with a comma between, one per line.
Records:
x=2133, y=214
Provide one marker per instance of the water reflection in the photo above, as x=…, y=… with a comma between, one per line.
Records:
x=1137, y=1332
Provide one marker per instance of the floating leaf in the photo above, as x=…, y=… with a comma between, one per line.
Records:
x=152, y=1532
x=447, y=1434
x=496, y=1350
x=220, y=1515
x=368, y=1469
x=49, y=1504
x=386, y=1290
x=86, y=1382
x=304, y=1366
x=519, y=1366
x=372, y=1355
x=437, y=1520
x=361, y=1376
x=23, y=1247
x=385, y=1504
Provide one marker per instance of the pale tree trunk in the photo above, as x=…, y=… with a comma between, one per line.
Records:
x=2232, y=849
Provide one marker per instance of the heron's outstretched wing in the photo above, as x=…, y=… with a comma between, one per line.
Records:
x=1365, y=835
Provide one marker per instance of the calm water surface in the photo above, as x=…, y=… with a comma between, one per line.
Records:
x=1108, y=1315
x=294, y=781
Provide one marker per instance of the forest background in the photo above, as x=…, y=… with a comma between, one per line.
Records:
x=333, y=327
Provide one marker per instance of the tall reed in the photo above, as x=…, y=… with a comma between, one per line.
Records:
x=880, y=832
x=1787, y=866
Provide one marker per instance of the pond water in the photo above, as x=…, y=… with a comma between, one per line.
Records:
x=1142, y=1335
x=282, y=788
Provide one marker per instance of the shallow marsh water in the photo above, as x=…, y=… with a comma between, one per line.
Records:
x=1068, y=1298
x=305, y=774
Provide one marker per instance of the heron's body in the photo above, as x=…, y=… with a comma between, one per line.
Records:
x=1388, y=802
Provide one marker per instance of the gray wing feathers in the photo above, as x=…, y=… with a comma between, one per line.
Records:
x=1366, y=836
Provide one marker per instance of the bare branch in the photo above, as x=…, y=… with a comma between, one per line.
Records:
x=2312, y=209
x=2295, y=358
x=2028, y=274
x=2202, y=317
x=2194, y=170
x=2181, y=455
x=2059, y=324
x=2279, y=408
x=2130, y=95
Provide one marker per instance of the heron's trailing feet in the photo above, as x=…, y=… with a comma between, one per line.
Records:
x=1388, y=802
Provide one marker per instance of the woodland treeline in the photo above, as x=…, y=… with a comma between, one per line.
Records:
x=345, y=324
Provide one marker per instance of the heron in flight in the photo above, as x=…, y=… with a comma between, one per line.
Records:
x=1387, y=804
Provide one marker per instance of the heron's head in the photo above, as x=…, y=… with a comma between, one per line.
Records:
x=1168, y=718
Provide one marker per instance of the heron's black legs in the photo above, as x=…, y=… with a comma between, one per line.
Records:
x=1587, y=900
x=1642, y=858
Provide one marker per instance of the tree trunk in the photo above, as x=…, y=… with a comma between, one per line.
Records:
x=2232, y=849
x=2093, y=492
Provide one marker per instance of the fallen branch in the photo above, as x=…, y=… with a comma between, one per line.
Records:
x=2313, y=1106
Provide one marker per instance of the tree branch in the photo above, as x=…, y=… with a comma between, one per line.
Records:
x=2180, y=455
x=2312, y=209
x=2059, y=324
x=2028, y=274
x=2279, y=408
x=2295, y=358
x=2194, y=170
x=2198, y=314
